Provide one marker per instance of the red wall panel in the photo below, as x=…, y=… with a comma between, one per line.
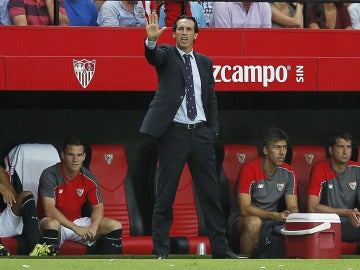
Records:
x=265, y=74
x=57, y=73
x=274, y=59
x=339, y=74
x=2, y=73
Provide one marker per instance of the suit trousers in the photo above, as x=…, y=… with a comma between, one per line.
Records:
x=195, y=146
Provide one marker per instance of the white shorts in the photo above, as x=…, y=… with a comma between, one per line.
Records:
x=10, y=224
x=67, y=234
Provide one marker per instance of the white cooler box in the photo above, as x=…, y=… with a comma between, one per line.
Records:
x=312, y=235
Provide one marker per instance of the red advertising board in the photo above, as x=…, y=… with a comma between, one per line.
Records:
x=265, y=74
x=134, y=73
x=112, y=59
x=339, y=74
x=78, y=73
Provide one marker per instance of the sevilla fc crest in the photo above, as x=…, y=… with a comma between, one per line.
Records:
x=352, y=185
x=241, y=157
x=280, y=186
x=309, y=158
x=80, y=191
x=109, y=158
x=84, y=71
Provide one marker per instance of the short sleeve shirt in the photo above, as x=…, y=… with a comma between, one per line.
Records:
x=4, y=13
x=233, y=14
x=36, y=12
x=266, y=191
x=70, y=195
x=336, y=190
x=113, y=13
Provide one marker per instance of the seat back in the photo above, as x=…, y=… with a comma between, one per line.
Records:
x=109, y=164
x=185, y=212
x=25, y=163
x=304, y=157
x=188, y=227
x=235, y=157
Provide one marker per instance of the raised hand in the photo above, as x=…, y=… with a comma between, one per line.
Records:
x=152, y=27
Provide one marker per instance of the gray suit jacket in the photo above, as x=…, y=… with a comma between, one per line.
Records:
x=170, y=69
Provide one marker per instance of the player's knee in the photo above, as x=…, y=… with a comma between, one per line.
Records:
x=23, y=194
x=253, y=224
x=50, y=223
x=115, y=225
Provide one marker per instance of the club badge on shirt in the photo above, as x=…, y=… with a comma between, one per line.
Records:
x=280, y=186
x=80, y=191
x=352, y=185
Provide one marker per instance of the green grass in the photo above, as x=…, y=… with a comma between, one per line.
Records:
x=173, y=263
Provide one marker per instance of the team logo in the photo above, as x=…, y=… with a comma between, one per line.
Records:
x=84, y=71
x=352, y=185
x=309, y=158
x=260, y=186
x=331, y=186
x=241, y=157
x=109, y=158
x=79, y=191
x=280, y=186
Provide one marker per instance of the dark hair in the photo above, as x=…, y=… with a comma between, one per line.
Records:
x=338, y=134
x=71, y=141
x=196, y=26
x=274, y=134
x=319, y=13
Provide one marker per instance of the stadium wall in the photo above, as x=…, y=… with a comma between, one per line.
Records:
x=305, y=81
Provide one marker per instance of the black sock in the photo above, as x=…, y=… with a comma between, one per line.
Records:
x=31, y=231
x=51, y=237
x=111, y=243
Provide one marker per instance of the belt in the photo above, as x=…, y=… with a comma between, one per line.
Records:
x=189, y=126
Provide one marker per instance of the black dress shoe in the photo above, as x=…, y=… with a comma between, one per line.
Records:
x=226, y=255
x=161, y=256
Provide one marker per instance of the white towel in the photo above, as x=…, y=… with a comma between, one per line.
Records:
x=29, y=160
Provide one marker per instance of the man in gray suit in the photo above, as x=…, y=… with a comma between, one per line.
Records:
x=183, y=116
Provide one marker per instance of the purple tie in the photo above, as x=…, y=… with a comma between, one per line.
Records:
x=190, y=93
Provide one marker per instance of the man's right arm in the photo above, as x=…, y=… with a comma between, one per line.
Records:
x=17, y=12
x=246, y=209
x=314, y=204
x=20, y=20
x=52, y=212
x=6, y=189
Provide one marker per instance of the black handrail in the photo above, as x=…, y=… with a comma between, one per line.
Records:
x=56, y=12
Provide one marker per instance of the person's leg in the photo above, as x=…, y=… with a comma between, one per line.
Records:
x=202, y=165
x=348, y=232
x=26, y=208
x=110, y=231
x=51, y=231
x=173, y=149
x=3, y=250
x=249, y=229
x=9, y=226
x=50, y=241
